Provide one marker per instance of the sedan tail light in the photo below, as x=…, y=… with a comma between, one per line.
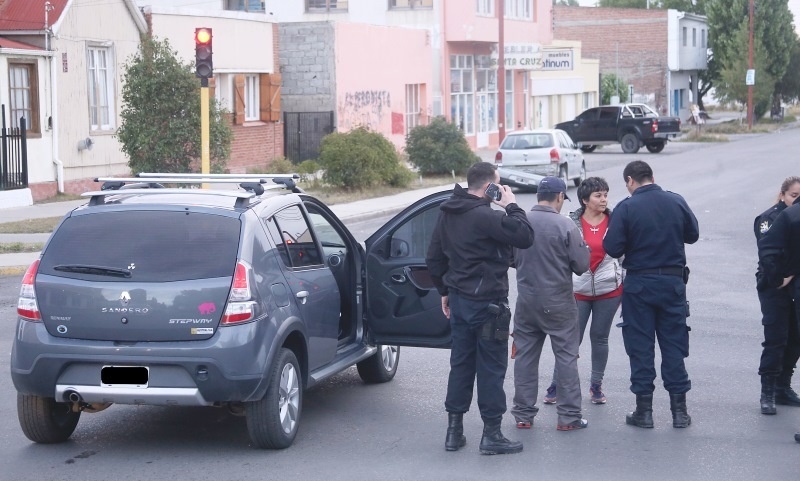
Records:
x=27, y=307
x=554, y=157
x=240, y=306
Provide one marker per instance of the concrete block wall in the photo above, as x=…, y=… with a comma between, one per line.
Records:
x=629, y=41
x=307, y=66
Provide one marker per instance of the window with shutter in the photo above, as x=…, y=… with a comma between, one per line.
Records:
x=238, y=99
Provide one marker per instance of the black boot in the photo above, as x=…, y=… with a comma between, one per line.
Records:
x=677, y=404
x=643, y=416
x=784, y=394
x=493, y=441
x=455, y=439
x=768, y=395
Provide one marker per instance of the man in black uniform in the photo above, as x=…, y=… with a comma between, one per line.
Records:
x=650, y=229
x=779, y=255
x=468, y=259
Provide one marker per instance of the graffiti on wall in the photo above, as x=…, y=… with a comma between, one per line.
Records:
x=366, y=108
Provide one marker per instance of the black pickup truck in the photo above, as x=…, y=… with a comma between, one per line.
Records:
x=631, y=125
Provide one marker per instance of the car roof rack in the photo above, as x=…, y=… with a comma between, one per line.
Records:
x=289, y=180
x=242, y=198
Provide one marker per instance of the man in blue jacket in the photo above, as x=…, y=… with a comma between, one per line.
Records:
x=650, y=229
x=468, y=259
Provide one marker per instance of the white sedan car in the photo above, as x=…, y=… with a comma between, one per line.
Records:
x=525, y=157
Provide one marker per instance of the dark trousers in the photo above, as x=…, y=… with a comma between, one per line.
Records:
x=471, y=357
x=781, y=339
x=654, y=306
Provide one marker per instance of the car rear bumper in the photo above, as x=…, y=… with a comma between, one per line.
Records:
x=666, y=135
x=230, y=366
x=520, y=178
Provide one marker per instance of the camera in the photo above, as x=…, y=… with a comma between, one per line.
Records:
x=494, y=192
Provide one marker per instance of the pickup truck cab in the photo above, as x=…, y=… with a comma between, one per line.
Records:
x=631, y=125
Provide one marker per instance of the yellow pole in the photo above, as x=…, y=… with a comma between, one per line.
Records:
x=204, y=134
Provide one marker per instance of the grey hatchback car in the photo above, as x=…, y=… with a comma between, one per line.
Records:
x=239, y=299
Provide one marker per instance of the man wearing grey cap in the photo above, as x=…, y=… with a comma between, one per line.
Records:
x=546, y=306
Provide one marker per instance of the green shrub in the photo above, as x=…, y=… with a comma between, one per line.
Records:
x=361, y=159
x=281, y=165
x=439, y=148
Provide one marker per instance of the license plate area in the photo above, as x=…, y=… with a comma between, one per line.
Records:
x=124, y=376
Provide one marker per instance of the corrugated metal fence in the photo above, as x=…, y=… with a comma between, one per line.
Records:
x=303, y=132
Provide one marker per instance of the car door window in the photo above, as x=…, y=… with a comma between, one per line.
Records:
x=294, y=238
x=608, y=113
x=590, y=114
x=411, y=239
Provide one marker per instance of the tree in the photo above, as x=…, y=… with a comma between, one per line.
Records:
x=160, y=129
x=731, y=85
x=568, y=3
x=772, y=27
x=789, y=86
x=439, y=148
x=611, y=85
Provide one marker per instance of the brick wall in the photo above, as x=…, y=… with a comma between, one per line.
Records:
x=255, y=145
x=630, y=41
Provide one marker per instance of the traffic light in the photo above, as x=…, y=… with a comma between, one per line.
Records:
x=204, y=65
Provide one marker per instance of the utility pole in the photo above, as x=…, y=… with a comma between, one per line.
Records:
x=750, y=66
x=501, y=72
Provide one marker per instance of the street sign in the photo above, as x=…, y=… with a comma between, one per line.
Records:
x=751, y=77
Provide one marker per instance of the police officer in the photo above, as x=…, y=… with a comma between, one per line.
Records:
x=650, y=229
x=468, y=259
x=781, y=340
x=779, y=256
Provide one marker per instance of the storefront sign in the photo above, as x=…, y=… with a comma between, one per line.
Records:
x=532, y=56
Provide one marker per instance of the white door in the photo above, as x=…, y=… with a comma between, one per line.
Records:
x=543, y=109
x=569, y=108
x=483, y=120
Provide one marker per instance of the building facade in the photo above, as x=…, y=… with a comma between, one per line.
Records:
x=658, y=52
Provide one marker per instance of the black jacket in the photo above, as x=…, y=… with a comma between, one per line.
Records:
x=761, y=226
x=470, y=251
x=779, y=248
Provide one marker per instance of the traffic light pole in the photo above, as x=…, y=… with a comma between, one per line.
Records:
x=205, y=160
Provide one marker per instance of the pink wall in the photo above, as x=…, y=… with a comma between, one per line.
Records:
x=462, y=23
x=373, y=66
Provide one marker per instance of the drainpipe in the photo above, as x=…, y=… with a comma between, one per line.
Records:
x=53, y=101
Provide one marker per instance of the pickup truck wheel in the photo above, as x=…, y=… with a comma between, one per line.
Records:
x=588, y=148
x=45, y=421
x=272, y=422
x=630, y=143
x=381, y=366
x=582, y=177
x=655, y=147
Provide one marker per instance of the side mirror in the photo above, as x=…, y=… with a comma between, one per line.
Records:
x=399, y=248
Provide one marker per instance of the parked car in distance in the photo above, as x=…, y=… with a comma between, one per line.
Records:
x=525, y=157
x=630, y=125
x=239, y=299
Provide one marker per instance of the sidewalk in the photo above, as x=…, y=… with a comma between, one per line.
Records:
x=358, y=211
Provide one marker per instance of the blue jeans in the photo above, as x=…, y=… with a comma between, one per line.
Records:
x=472, y=357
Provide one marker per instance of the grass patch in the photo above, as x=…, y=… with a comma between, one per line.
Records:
x=701, y=136
x=332, y=196
x=16, y=247
x=31, y=226
x=60, y=197
x=735, y=127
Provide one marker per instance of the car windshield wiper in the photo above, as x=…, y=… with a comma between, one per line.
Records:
x=97, y=270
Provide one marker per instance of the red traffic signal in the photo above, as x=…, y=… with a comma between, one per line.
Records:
x=204, y=65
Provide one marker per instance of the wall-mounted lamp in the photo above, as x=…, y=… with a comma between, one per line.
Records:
x=85, y=144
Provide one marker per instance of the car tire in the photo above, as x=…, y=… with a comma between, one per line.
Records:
x=588, y=148
x=630, y=143
x=45, y=421
x=582, y=177
x=272, y=422
x=381, y=366
x=655, y=147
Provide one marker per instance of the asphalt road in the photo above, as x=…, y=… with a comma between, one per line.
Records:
x=396, y=430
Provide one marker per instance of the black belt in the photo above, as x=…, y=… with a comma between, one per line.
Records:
x=667, y=271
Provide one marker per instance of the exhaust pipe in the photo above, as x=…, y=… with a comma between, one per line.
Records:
x=72, y=395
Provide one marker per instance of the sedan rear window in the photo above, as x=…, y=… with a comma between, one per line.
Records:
x=145, y=246
x=527, y=141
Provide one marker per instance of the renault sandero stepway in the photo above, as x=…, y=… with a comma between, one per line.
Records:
x=239, y=298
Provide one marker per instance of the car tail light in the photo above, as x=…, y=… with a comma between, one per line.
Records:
x=27, y=307
x=240, y=306
x=554, y=157
x=654, y=127
x=498, y=158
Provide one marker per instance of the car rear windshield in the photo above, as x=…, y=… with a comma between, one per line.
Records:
x=143, y=246
x=527, y=141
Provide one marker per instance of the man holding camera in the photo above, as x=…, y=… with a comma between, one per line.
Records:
x=468, y=259
x=546, y=306
x=650, y=228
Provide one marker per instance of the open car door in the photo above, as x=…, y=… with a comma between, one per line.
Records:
x=402, y=305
